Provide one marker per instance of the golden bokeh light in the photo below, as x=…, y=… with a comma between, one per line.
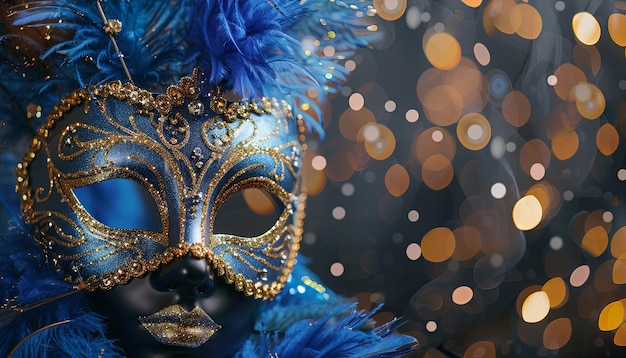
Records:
x=313, y=181
x=379, y=140
x=586, y=28
x=617, y=28
x=397, y=180
x=482, y=349
x=556, y=290
x=506, y=15
x=338, y=165
x=462, y=295
x=472, y=3
x=390, y=10
x=351, y=121
x=443, y=105
x=565, y=144
x=567, y=76
x=618, y=274
x=595, y=241
x=534, y=151
x=535, y=307
x=590, y=101
x=607, y=139
x=603, y=280
x=598, y=218
x=473, y=131
x=557, y=333
x=548, y=196
x=437, y=172
x=442, y=50
x=542, y=192
x=516, y=108
x=425, y=145
x=357, y=157
x=487, y=18
x=468, y=243
x=428, y=80
x=527, y=213
x=438, y=244
x=611, y=316
x=259, y=201
x=620, y=336
x=587, y=58
x=467, y=79
x=564, y=117
x=531, y=24
x=523, y=295
x=618, y=243
x=445, y=95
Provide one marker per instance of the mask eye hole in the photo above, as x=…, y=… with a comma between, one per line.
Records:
x=121, y=204
x=248, y=213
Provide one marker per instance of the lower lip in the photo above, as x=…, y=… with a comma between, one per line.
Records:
x=177, y=334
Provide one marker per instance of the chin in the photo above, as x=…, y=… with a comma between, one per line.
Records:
x=153, y=349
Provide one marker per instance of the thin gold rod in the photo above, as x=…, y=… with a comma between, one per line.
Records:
x=46, y=301
x=7, y=313
x=120, y=55
x=34, y=333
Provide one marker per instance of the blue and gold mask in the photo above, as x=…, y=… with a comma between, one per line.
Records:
x=181, y=155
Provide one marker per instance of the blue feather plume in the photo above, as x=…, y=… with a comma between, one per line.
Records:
x=342, y=332
x=26, y=279
x=263, y=48
x=80, y=53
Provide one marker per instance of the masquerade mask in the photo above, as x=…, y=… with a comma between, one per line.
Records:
x=180, y=155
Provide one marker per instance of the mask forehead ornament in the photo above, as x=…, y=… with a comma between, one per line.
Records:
x=190, y=151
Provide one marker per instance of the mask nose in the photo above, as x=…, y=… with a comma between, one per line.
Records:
x=185, y=275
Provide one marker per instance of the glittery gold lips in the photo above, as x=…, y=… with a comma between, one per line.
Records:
x=174, y=326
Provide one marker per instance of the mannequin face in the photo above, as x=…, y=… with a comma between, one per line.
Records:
x=181, y=285
x=153, y=202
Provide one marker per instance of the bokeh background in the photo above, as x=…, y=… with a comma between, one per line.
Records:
x=473, y=176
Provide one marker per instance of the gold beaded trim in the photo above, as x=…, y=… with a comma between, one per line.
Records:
x=175, y=96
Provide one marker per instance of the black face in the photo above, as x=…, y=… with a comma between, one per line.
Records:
x=187, y=282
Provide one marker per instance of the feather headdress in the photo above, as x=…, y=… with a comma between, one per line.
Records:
x=271, y=48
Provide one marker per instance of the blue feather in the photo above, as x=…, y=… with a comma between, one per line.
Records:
x=151, y=40
x=241, y=45
x=82, y=336
x=342, y=334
